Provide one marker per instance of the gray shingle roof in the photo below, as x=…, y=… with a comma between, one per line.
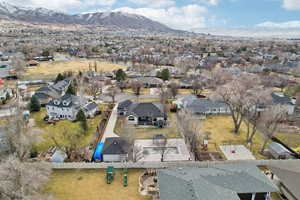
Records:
x=146, y=110
x=125, y=104
x=215, y=183
x=115, y=145
x=289, y=175
x=280, y=99
x=204, y=105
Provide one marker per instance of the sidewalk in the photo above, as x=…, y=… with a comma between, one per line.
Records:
x=109, y=130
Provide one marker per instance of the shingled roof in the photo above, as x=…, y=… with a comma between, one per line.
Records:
x=215, y=183
x=115, y=145
x=146, y=110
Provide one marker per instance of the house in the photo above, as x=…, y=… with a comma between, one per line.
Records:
x=227, y=182
x=151, y=82
x=45, y=94
x=278, y=98
x=207, y=107
x=124, y=106
x=184, y=101
x=91, y=109
x=115, y=149
x=6, y=92
x=287, y=177
x=149, y=114
x=67, y=107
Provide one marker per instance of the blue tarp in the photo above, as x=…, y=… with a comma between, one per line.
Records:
x=98, y=152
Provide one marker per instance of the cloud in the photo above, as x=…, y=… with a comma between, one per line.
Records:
x=62, y=5
x=291, y=4
x=154, y=3
x=190, y=17
x=210, y=2
x=281, y=25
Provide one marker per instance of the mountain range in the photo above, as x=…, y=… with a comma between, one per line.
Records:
x=107, y=19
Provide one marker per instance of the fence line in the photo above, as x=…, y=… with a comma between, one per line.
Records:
x=160, y=165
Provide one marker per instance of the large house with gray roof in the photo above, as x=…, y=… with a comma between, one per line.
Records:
x=45, y=94
x=200, y=106
x=147, y=114
x=67, y=107
x=219, y=182
x=279, y=98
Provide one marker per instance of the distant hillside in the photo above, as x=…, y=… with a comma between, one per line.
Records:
x=108, y=19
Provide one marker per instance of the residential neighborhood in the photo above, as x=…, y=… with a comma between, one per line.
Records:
x=113, y=104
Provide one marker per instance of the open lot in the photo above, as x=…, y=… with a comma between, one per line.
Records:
x=91, y=185
x=147, y=133
x=49, y=70
x=51, y=129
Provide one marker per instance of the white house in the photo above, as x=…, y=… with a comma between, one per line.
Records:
x=67, y=107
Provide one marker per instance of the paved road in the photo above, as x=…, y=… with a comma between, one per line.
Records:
x=109, y=130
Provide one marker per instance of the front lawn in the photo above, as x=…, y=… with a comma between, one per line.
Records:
x=91, y=185
x=221, y=128
x=51, y=129
x=290, y=139
x=147, y=133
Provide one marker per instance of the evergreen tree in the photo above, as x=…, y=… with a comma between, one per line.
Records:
x=80, y=117
x=71, y=90
x=59, y=77
x=120, y=75
x=165, y=74
x=34, y=105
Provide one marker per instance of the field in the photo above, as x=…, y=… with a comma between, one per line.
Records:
x=91, y=185
x=147, y=133
x=48, y=130
x=49, y=70
x=221, y=134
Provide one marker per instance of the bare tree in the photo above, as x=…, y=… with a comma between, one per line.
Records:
x=164, y=95
x=69, y=142
x=95, y=88
x=19, y=180
x=173, y=89
x=112, y=92
x=136, y=87
x=234, y=94
x=255, y=101
x=269, y=122
x=191, y=128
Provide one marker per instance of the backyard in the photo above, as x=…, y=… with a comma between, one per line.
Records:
x=221, y=128
x=147, y=133
x=91, y=185
x=57, y=129
x=49, y=70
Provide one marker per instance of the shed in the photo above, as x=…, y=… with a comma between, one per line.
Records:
x=59, y=156
x=278, y=151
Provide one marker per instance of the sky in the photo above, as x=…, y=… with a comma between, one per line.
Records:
x=191, y=15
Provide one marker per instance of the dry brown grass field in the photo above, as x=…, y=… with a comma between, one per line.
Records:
x=91, y=185
x=47, y=70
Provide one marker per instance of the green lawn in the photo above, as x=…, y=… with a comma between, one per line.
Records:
x=147, y=133
x=290, y=139
x=91, y=185
x=59, y=127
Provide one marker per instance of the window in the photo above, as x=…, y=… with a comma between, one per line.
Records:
x=130, y=118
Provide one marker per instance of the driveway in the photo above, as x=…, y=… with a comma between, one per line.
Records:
x=109, y=130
